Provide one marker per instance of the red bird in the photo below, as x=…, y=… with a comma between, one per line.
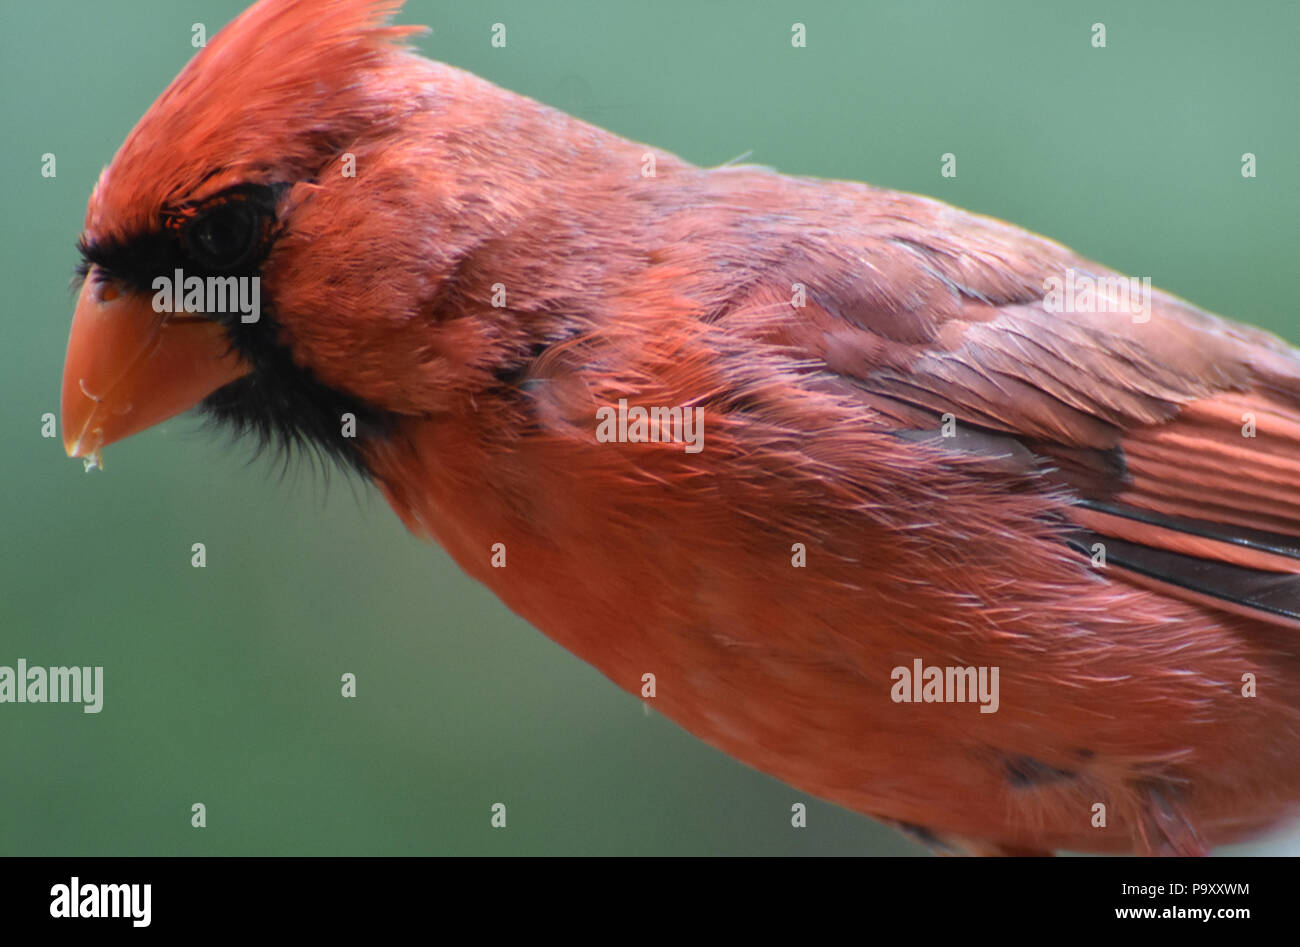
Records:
x=914, y=510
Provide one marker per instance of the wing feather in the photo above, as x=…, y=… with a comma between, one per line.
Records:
x=1177, y=433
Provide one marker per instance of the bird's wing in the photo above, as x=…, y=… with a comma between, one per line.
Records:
x=1178, y=433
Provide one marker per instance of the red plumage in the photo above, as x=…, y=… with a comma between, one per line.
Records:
x=827, y=427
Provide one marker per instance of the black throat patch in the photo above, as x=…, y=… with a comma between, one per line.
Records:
x=286, y=409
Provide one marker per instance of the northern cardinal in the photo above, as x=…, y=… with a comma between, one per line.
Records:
x=921, y=447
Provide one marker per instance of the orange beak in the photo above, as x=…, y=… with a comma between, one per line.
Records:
x=129, y=368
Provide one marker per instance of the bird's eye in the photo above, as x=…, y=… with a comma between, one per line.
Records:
x=225, y=236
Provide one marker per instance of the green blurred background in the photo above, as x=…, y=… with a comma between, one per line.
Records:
x=222, y=684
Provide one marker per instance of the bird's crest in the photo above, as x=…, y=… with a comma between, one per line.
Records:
x=276, y=93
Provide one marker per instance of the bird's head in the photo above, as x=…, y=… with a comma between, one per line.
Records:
x=285, y=190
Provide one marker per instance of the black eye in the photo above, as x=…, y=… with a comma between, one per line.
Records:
x=226, y=235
